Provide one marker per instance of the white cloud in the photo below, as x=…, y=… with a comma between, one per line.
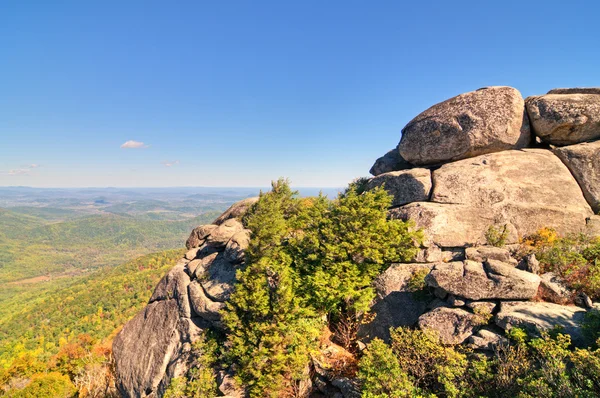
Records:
x=168, y=163
x=18, y=172
x=131, y=144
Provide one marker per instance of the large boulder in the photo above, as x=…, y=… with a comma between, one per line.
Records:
x=391, y=161
x=225, y=231
x=538, y=317
x=584, y=162
x=237, y=210
x=565, y=119
x=405, y=186
x=399, y=301
x=488, y=120
x=453, y=325
x=199, y=235
x=479, y=281
x=523, y=190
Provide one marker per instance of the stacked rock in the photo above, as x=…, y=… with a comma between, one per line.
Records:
x=155, y=345
x=489, y=160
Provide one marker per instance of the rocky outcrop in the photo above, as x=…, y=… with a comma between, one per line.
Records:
x=584, y=162
x=237, y=210
x=399, y=301
x=391, y=161
x=405, y=186
x=488, y=120
x=453, y=325
x=155, y=345
x=565, y=119
x=523, y=190
x=575, y=90
x=538, y=317
x=490, y=280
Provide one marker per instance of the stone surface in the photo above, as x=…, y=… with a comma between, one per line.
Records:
x=536, y=317
x=482, y=253
x=482, y=307
x=553, y=289
x=529, y=263
x=488, y=120
x=592, y=226
x=396, y=305
x=486, y=340
x=234, y=250
x=192, y=253
x=221, y=235
x=477, y=281
x=237, y=210
x=565, y=119
x=525, y=190
x=174, y=285
x=391, y=161
x=198, y=235
x=405, y=186
x=203, y=306
x=453, y=325
x=584, y=162
x=219, y=279
x=575, y=90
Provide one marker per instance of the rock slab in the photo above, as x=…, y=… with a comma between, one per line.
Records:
x=405, y=186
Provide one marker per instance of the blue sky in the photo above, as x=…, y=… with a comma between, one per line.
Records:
x=237, y=93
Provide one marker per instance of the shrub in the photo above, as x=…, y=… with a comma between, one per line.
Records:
x=380, y=374
x=495, y=236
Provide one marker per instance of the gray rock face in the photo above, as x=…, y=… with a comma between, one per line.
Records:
x=234, y=251
x=488, y=120
x=592, y=226
x=198, y=235
x=553, y=289
x=237, y=210
x=405, y=186
x=453, y=325
x=477, y=281
x=525, y=190
x=576, y=90
x=396, y=305
x=565, y=119
x=537, y=317
x=486, y=340
x=221, y=235
x=584, y=162
x=483, y=253
x=391, y=161
x=155, y=345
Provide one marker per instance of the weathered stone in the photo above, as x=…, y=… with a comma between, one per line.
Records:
x=199, y=266
x=397, y=303
x=453, y=325
x=219, y=279
x=391, y=161
x=536, y=317
x=431, y=254
x=405, y=186
x=234, y=251
x=447, y=225
x=453, y=254
x=482, y=253
x=592, y=226
x=202, y=305
x=530, y=264
x=349, y=388
x=237, y=210
x=476, y=281
x=575, y=90
x=584, y=162
x=221, y=235
x=525, y=190
x=488, y=120
x=583, y=300
x=483, y=308
x=174, y=285
x=553, y=289
x=150, y=349
x=192, y=253
x=454, y=301
x=198, y=235
x=565, y=119
x=228, y=386
x=486, y=340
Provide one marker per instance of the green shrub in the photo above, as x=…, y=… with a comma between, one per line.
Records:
x=51, y=384
x=495, y=236
x=380, y=374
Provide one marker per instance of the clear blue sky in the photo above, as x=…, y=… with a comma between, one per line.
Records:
x=237, y=93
